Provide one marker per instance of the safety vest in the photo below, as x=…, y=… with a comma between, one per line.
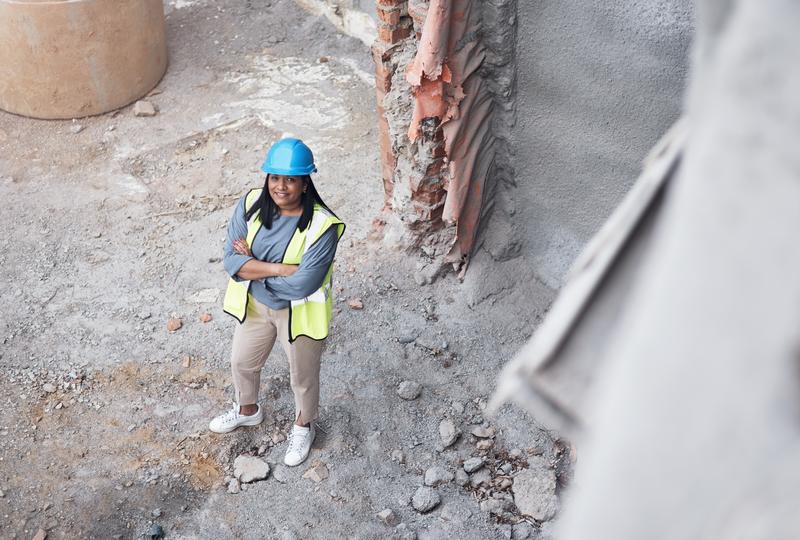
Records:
x=310, y=316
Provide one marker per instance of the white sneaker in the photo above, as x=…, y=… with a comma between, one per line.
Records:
x=232, y=419
x=300, y=442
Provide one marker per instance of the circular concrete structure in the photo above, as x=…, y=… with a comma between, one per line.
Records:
x=73, y=58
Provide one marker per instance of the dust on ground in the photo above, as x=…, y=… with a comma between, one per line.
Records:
x=114, y=224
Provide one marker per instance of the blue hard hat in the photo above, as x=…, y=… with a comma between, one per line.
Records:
x=290, y=157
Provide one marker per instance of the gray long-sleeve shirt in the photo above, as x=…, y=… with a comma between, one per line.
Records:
x=270, y=245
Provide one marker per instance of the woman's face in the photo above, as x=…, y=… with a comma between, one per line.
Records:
x=286, y=190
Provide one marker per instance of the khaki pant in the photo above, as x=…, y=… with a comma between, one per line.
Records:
x=252, y=342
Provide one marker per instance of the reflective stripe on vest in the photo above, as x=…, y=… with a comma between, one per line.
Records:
x=309, y=316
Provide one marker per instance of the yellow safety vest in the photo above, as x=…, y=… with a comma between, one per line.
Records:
x=310, y=316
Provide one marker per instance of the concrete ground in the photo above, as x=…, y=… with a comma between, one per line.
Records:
x=114, y=224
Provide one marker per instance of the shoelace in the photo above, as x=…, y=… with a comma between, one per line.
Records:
x=231, y=414
x=294, y=441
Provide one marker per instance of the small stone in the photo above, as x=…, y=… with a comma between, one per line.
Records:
x=406, y=339
x=480, y=478
x=59, y=406
x=473, y=464
x=249, y=469
x=458, y=407
x=173, y=325
x=49, y=388
x=448, y=432
x=483, y=432
x=2, y=494
x=75, y=128
x=535, y=491
x=425, y=499
x=505, y=483
x=41, y=534
x=155, y=532
x=278, y=438
x=437, y=475
x=186, y=362
x=409, y=390
x=144, y=108
x=205, y=317
x=355, y=303
x=498, y=507
x=515, y=453
x=398, y=456
x=388, y=517
x=156, y=513
x=506, y=468
x=484, y=444
x=131, y=427
x=462, y=478
x=233, y=486
x=145, y=315
x=317, y=473
x=281, y=473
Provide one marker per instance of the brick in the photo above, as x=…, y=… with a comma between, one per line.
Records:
x=383, y=77
x=389, y=16
x=394, y=33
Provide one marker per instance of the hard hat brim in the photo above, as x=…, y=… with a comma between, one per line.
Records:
x=300, y=171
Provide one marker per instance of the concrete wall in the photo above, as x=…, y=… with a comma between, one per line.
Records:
x=597, y=85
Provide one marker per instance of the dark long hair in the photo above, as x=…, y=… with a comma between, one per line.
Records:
x=269, y=209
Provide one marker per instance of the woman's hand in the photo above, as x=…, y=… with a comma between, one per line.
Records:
x=240, y=246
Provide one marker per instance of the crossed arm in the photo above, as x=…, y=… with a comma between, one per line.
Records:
x=255, y=269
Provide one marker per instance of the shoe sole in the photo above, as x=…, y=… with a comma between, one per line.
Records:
x=247, y=423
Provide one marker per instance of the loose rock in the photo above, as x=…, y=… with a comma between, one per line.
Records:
x=317, y=473
x=481, y=478
x=173, y=325
x=388, y=517
x=281, y=473
x=233, y=486
x=483, y=432
x=425, y=499
x=462, y=478
x=49, y=388
x=535, y=491
x=144, y=108
x=249, y=469
x=437, y=475
x=484, y=444
x=398, y=456
x=448, y=432
x=155, y=532
x=205, y=317
x=187, y=361
x=41, y=534
x=409, y=390
x=355, y=303
x=473, y=464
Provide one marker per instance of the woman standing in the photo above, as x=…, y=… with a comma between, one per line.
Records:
x=279, y=253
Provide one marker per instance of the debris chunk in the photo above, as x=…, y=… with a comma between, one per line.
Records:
x=206, y=317
x=437, y=475
x=473, y=464
x=483, y=432
x=49, y=388
x=173, y=325
x=249, y=469
x=388, y=517
x=144, y=108
x=317, y=473
x=355, y=303
x=409, y=390
x=233, y=486
x=425, y=499
x=187, y=361
x=41, y=534
x=448, y=432
x=535, y=491
x=155, y=532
